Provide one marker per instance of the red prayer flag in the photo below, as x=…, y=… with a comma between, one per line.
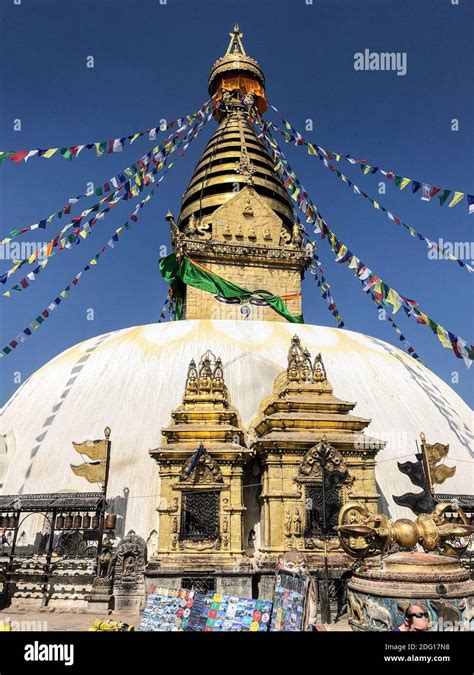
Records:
x=18, y=156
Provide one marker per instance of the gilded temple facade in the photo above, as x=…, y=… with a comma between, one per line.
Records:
x=201, y=469
x=310, y=454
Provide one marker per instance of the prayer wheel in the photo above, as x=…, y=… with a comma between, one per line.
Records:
x=68, y=522
x=77, y=522
x=95, y=522
x=59, y=522
x=110, y=521
x=86, y=521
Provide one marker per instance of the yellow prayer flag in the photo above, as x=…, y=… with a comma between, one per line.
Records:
x=377, y=287
x=404, y=183
x=295, y=193
x=376, y=205
x=456, y=199
x=443, y=337
x=7, y=294
x=342, y=252
x=354, y=262
x=367, y=168
x=394, y=299
x=312, y=150
x=134, y=138
x=49, y=153
x=338, y=157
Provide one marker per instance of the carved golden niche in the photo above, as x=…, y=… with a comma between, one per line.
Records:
x=201, y=467
x=312, y=450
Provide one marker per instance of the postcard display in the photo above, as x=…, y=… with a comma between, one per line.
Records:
x=167, y=610
x=185, y=610
x=289, y=602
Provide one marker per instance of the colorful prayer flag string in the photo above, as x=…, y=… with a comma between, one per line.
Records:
x=410, y=350
x=380, y=292
x=101, y=147
x=79, y=234
x=324, y=287
x=428, y=191
x=377, y=205
x=113, y=183
x=46, y=313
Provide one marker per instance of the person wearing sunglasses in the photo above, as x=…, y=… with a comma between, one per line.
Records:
x=416, y=620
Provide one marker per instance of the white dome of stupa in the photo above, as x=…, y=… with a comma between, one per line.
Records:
x=131, y=380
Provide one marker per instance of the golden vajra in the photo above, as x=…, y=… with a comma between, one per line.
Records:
x=363, y=533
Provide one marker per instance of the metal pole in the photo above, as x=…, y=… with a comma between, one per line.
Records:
x=44, y=600
x=107, y=432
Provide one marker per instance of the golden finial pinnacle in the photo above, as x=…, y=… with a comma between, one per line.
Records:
x=235, y=44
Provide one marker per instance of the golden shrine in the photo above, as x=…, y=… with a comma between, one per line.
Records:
x=201, y=468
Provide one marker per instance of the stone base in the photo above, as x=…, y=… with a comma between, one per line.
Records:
x=379, y=594
x=129, y=603
x=98, y=607
x=100, y=598
x=231, y=582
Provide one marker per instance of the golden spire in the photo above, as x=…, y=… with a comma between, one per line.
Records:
x=236, y=40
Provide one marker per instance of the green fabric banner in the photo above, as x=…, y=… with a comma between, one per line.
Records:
x=178, y=275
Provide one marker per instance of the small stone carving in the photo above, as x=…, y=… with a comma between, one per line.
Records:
x=106, y=559
x=297, y=523
x=377, y=615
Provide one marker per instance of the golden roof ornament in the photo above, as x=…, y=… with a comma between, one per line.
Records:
x=300, y=367
x=235, y=62
x=206, y=379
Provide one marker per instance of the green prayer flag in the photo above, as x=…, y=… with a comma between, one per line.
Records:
x=443, y=197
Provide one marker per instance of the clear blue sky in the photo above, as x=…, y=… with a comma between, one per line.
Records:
x=152, y=62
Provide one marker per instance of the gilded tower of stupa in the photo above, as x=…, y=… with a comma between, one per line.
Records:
x=236, y=218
